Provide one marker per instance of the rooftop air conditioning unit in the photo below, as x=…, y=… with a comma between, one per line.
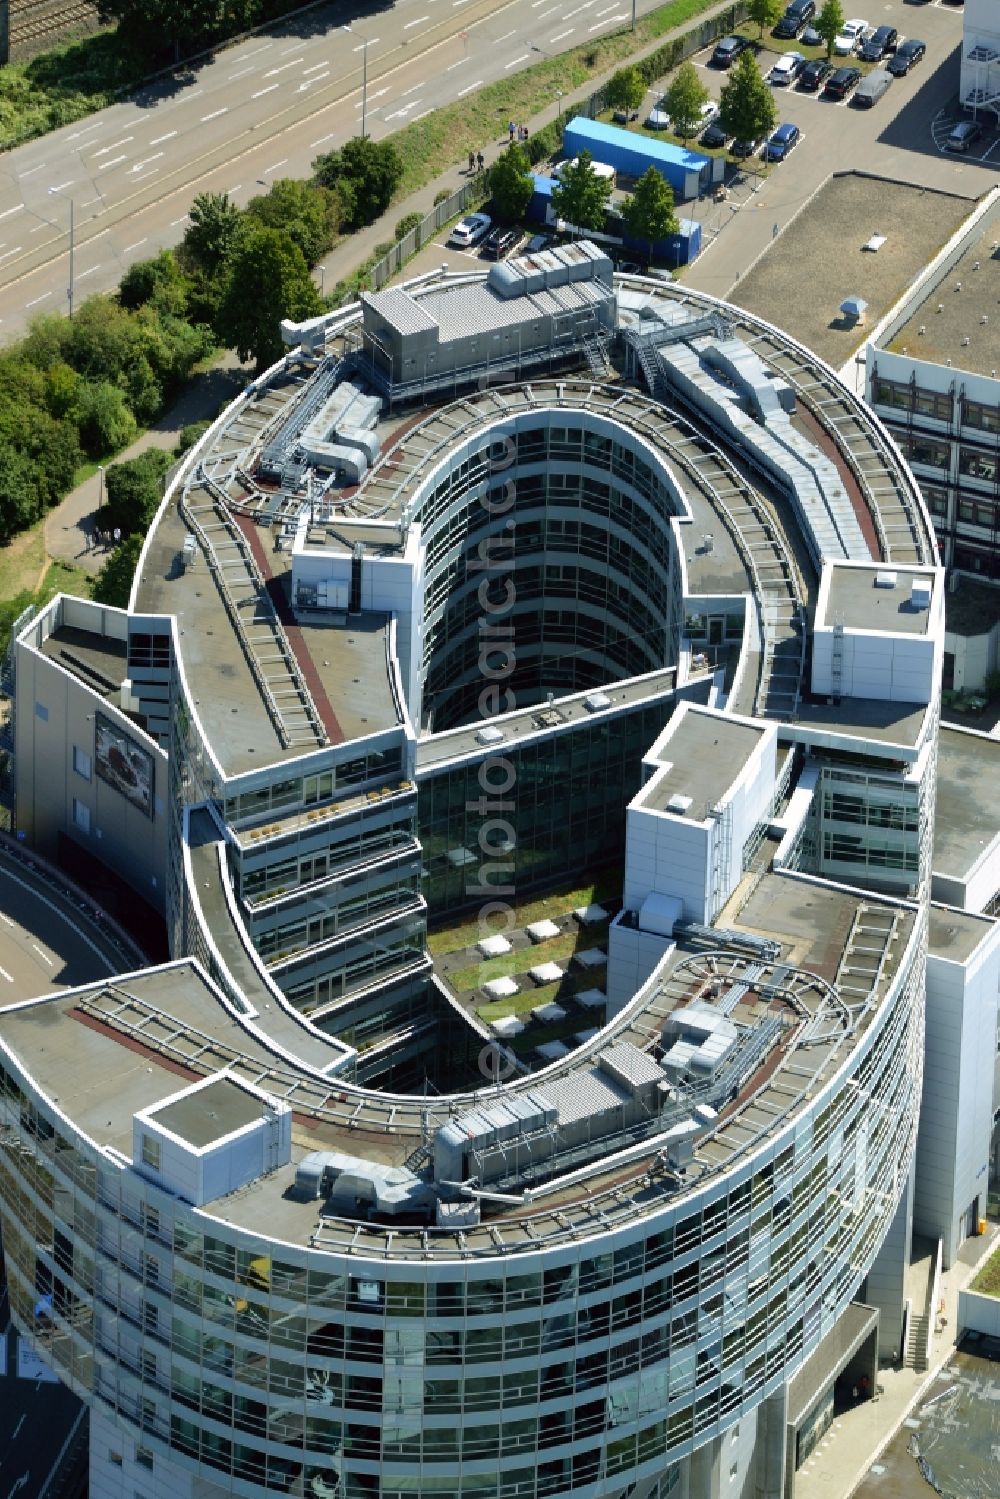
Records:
x=489, y=736
x=885, y=579
x=596, y=702
x=679, y=804
x=920, y=594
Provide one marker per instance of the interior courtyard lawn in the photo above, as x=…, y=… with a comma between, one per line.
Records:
x=606, y=886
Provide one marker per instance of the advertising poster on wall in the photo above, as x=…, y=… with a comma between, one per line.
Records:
x=123, y=765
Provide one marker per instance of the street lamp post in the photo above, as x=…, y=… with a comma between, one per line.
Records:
x=72, y=245
x=364, y=81
x=633, y=15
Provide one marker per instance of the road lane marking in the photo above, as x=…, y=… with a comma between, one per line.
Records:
x=62, y=186
x=32, y=170
x=560, y=35
x=11, y=252
x=262, y=91
x=418, y=22
x=452, y=66
x=34, y=303
x=182, y=220
x=6, y=975
x=159, y=139
x=114, y=146
x=89, y=272
x=506, y=37
x=8, y=211
x=322, y=140
x=619, y=17
x=215, y=114
x=272, y=72
x=523, y=58
x=282, y=163
x=408, y=91
x=40, y=950
x=266, y=48
x=141, y=164
x=315, y=68
x=112, y=163
x=468, y=88
x=241, y=73
x=129, y=248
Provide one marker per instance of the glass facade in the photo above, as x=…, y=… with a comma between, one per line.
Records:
x=547, y=1372
x=562, y=807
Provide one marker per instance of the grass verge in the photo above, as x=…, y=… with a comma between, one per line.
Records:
x=606, y=886
x=987, y=1282
x=29, y=576
x=429, y=146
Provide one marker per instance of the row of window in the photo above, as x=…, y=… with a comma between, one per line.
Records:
x=292, y=791
x=940, y=405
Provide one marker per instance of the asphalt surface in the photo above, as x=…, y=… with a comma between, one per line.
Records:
x=259, y=110
x=47, y=942
x=900, y=138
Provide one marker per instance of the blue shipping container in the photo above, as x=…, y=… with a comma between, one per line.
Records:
x=632, y=154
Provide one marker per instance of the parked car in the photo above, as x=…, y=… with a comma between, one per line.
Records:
x=840, y=83
x=964, y=135
x=907, y=55
x=784, y=140
x=882, y=42
x=728, y=50
x=795, y=17
x=788, y=67
x=849, y=38
x=708, y=111
x=744, y=147
x=872, y=88
x=499, y=242
x=537, y=243
x=815, y=74
x=658, y=118
x=625, y=116
x=714, y=137
x=811, y=37
x=470, y=230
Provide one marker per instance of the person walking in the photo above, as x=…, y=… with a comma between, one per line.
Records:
x=472, y=161
x=481, y=161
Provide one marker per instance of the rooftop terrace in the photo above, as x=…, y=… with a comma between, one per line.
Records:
x=148, y=1029
x=947, y=323
x=968, y=781
x=705, y=753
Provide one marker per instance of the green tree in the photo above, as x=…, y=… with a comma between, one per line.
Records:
x=829, y=23
x=214, y=230
x=364, y=174
x=581, y=197
x=268, y=280
x=511, y=183
x=625, y=90
x=764, y=13
x=20, y=500
x=159, y=281
x=648, y=212
x=113, y=584
x=308, y=213
x=684, y=98
x=133, y=490
x=181, y=25
x=103, y=417
x=746, y=104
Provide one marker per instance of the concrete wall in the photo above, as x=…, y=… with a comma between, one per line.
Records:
x=886, y=1279
x=55, y=712
x=975, y=657
x=956, y=1111
x=979, y=1313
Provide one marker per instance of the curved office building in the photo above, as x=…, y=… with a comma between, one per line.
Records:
x=492, y=582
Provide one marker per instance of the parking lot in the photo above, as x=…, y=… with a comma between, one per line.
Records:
x=900, y=139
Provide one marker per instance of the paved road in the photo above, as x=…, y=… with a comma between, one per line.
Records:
x=46, y=941
x=259, y=110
